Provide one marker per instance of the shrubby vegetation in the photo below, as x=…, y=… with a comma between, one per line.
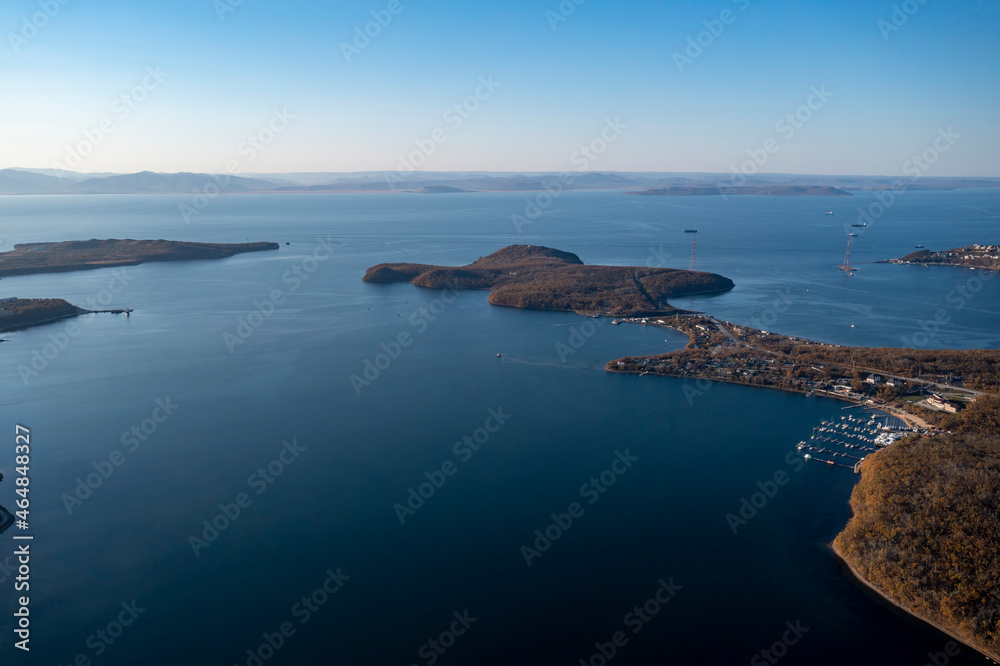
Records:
x=27, y=258
x=977, y=368
x=531, y=276
x=926, y=529
x=31, y=311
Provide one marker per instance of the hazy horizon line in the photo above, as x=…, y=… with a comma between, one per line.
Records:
x=489, y=171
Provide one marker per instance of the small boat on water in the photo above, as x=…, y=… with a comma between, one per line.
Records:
x=919, y=247
x=690, y=231
x=829, y=212
x=852, y=234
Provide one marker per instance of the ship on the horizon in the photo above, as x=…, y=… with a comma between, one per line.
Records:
x=690, y=231
x=863, y=224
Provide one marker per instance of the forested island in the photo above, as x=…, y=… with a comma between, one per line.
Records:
x=758, y=190
x=16, y=313
x=543, y=278
x=29, y=258
x=972, y=256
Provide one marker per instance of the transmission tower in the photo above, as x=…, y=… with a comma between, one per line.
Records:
x=846, y=266
x=693, y=239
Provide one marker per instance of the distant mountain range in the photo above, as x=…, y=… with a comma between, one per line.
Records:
x=55, y=181
x=760, y=190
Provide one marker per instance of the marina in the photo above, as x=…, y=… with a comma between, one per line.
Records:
x=834, y=437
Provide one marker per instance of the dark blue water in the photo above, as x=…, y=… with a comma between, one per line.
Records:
x=694, y=453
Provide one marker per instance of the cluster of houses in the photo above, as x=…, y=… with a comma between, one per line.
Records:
x=934, y=401
x=875, y=380
x=5, y=302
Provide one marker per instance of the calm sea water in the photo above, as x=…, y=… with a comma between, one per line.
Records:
x=694, y=453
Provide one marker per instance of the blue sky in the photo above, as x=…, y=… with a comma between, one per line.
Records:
x=223, y=78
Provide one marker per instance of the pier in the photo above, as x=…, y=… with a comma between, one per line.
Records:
x=125, y=311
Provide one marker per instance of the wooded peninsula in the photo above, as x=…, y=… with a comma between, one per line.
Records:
x=26, y=312
x=972, y=256
x=925, y=533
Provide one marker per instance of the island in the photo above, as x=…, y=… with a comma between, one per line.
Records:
x=759, y=190
x=973, y=256
x=440, y=189
x=29, y=258
x=18, y=313
x=543, y=278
